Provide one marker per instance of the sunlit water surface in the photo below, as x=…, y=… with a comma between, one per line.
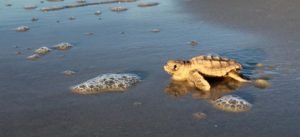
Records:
x=35, y=99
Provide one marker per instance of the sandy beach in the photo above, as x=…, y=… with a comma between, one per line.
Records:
x=35, y=96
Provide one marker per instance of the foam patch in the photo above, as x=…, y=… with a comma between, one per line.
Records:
x=232, y=103
x=107, y=82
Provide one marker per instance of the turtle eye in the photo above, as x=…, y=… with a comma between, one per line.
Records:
x=175, y=66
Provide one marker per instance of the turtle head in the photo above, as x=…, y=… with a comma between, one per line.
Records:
x=174, y=66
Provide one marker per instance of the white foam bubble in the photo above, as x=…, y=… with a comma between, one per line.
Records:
x=107, y=82
x=232, y=103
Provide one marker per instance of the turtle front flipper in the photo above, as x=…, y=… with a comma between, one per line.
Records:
x=198, y=80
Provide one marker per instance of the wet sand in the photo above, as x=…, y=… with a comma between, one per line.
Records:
x=276, y=21
x=35, y=99
x=272, y=17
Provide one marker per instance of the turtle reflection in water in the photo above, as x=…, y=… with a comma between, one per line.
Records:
x=216, y=96
x=219, y=87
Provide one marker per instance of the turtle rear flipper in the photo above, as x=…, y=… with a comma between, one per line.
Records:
x=236, y=76
x=198, y=80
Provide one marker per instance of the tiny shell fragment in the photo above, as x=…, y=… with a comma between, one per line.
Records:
x=148, y=4
x=63, y=46
x=22, y=28
x=68, y=72
x=34, y=19
x=118, y=9
x=33, y=57
x=42, y=50
x=30, y=6
x=199, y=115
x=98, y=12
x=155, y=30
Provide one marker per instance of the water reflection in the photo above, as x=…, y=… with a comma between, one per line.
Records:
x=217, y=96
x=219, y=87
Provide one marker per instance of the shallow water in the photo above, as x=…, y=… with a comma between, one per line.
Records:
x=35, y=99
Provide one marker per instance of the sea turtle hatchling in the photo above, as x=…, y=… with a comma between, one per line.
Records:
x=196, y=69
